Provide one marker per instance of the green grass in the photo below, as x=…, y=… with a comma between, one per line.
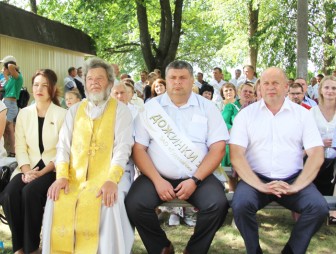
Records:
x=275, y=227
x=274, y=231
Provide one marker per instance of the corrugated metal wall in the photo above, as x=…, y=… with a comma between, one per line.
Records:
x=31, y=56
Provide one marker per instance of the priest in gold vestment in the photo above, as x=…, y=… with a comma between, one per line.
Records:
x=85, y=212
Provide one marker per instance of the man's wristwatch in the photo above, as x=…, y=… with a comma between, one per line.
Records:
x=196, y=180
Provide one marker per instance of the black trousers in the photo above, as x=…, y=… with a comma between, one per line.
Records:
x=308, y=202
x=23, y=206
x=209, y=198
x=323, y=180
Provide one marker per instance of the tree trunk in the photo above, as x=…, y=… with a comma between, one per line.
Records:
x=170, y=54
x=33, y=6
x=302, y=39
x=170, y=31
x=328, y=56
x=145, y=38
x=253, y=28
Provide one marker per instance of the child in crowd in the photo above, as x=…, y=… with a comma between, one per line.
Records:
x=72, y=97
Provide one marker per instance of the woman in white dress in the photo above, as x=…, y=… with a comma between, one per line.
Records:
x=325, y=117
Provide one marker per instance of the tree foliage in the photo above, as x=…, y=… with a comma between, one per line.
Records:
x=145, y=34
x=322, y=34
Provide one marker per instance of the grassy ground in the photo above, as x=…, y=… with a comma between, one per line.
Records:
x=275, y=227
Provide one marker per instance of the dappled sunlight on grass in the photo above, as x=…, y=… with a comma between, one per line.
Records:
x=274, y=230
x=5, y=237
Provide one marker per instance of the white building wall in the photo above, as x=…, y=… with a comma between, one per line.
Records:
x=32, y=56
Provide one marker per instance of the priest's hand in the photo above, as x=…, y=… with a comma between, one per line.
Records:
x=185, y=189
x=55, y=188
x=109, y=193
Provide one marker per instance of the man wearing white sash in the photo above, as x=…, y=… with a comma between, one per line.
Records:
x=179, y=141
x=85, y=212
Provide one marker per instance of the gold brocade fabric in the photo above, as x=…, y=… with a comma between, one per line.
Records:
x=77, y=215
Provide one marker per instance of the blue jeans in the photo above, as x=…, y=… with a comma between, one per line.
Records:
x=12, y=109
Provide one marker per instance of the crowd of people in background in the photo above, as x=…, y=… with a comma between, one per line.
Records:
x=31, y=135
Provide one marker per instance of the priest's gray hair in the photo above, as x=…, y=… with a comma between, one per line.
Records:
x=96, y=62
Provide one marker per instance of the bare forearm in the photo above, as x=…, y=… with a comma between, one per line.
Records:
x=48, y=168
x=2, y=122
x=13, y=71
x=242, y=167
x=211, y=161
x=310, y=169
x=245, y=172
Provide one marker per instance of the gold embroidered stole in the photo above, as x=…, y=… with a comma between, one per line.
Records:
x=76, y=215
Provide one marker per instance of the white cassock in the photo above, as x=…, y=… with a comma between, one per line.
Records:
x=116, y=234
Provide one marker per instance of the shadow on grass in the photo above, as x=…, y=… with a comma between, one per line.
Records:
x=274, y=230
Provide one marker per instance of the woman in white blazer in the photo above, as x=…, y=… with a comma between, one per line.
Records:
x=36, y=136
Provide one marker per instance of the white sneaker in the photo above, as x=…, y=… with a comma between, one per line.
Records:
x=233, y=224
x=174, y=220
x=190, y=220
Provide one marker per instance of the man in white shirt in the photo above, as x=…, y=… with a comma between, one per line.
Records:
x=306, y=99
x=266, y=151
x=249, y=73
x=312, y=89
x=217, y=83
x=236, y=78
x=140, y=85
x=69, y=81
x=177, y=161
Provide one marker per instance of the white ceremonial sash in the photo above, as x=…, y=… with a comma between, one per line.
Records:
x=175, y=145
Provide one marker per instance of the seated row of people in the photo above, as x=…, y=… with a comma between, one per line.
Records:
x=177, y=142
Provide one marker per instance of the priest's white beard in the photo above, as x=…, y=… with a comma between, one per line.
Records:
x=98, y=98
x=98, y=102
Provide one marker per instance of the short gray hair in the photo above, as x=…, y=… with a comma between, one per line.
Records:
x=179, y=64
x=121, y=83
x=96, y=62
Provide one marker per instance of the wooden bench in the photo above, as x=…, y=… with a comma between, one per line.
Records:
x=331, y=200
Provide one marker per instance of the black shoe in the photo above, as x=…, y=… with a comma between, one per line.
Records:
x=287, y=250
x=331, y=221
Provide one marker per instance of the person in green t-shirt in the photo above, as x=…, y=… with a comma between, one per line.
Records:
x=12, y=90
